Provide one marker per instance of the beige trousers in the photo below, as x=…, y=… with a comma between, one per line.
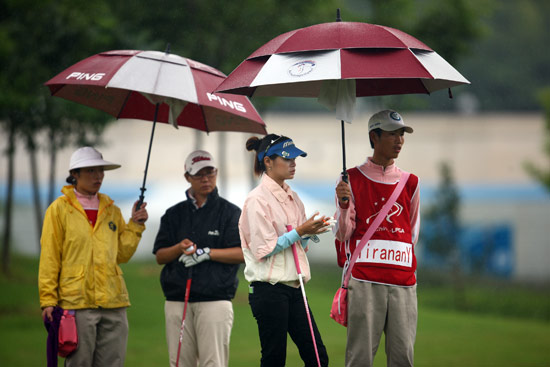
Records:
x=206, y=333
x=375, y=308
x=102, y=338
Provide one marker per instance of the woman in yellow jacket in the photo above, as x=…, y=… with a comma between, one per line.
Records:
x=84, y=238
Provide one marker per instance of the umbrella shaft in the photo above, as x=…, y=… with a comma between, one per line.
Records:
x=344, y=171
x=343, y=146
x=142, y=196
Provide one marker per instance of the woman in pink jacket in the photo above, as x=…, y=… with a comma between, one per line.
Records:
x=274, y=294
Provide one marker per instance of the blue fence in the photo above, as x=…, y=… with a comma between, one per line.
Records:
x=482, y=249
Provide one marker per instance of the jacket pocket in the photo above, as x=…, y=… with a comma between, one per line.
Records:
x=117, y=291
x=71, y=284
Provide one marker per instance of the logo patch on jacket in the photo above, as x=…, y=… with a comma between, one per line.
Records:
x=112, y=226
x=214, y=233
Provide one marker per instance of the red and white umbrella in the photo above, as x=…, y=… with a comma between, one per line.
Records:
x=339, y=61
x=156, y=86
x=381, y=60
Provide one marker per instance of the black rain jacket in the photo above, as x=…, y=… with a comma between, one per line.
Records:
x=214, y=225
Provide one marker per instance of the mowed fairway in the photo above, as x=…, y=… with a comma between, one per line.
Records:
x=445, y=337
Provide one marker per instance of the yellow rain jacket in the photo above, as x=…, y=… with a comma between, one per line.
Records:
x=79, y=263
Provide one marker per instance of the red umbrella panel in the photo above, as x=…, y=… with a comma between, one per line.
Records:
x=156, y=86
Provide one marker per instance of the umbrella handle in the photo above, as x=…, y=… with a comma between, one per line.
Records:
x=141, y=198
x=346, y=180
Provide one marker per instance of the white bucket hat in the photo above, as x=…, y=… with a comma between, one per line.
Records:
x=197, y=160
x=388, y=120
x=90, y=157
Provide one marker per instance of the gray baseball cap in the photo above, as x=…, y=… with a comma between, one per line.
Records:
x=388, y=120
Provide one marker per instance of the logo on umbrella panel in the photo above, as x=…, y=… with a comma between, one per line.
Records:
x=301, y=68
x=79, y=76
x=225, y=103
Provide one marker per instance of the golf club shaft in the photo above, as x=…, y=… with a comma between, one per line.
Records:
x=299, y=271
x=309, y=319
x=186, y=301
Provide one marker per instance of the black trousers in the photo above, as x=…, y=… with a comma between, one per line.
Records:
x=278, y=310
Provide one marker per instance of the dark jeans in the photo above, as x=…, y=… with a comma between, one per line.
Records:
x=278, y=310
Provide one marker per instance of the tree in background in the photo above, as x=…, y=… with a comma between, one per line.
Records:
x=543, y=174
x=37, y=39
x=441, y=229
x=510, y=64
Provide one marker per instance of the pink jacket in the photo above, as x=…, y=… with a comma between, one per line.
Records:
x=268, y=209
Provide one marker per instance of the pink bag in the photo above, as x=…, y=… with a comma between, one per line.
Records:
x=68, y=337
x=339, y=309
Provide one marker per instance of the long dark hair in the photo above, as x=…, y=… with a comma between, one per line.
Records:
x=260, y=146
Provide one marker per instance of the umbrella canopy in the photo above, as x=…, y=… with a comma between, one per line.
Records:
x=381, y=60
x=339, y=61
x=156, y=86
x=129, y=84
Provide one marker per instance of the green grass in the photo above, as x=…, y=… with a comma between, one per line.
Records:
x=502, y=325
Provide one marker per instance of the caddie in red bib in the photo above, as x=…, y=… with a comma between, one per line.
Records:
x=382, y=287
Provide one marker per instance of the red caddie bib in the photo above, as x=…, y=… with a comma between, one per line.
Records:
x=388, y=257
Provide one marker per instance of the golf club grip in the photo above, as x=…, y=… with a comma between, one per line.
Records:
x=345, y=179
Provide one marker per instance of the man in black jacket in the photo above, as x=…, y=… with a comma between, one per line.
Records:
x=199, y=239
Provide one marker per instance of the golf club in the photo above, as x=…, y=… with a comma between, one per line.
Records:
x=299, y=271
x=186, y=301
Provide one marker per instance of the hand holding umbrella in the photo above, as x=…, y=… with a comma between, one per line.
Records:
x=139, y=214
